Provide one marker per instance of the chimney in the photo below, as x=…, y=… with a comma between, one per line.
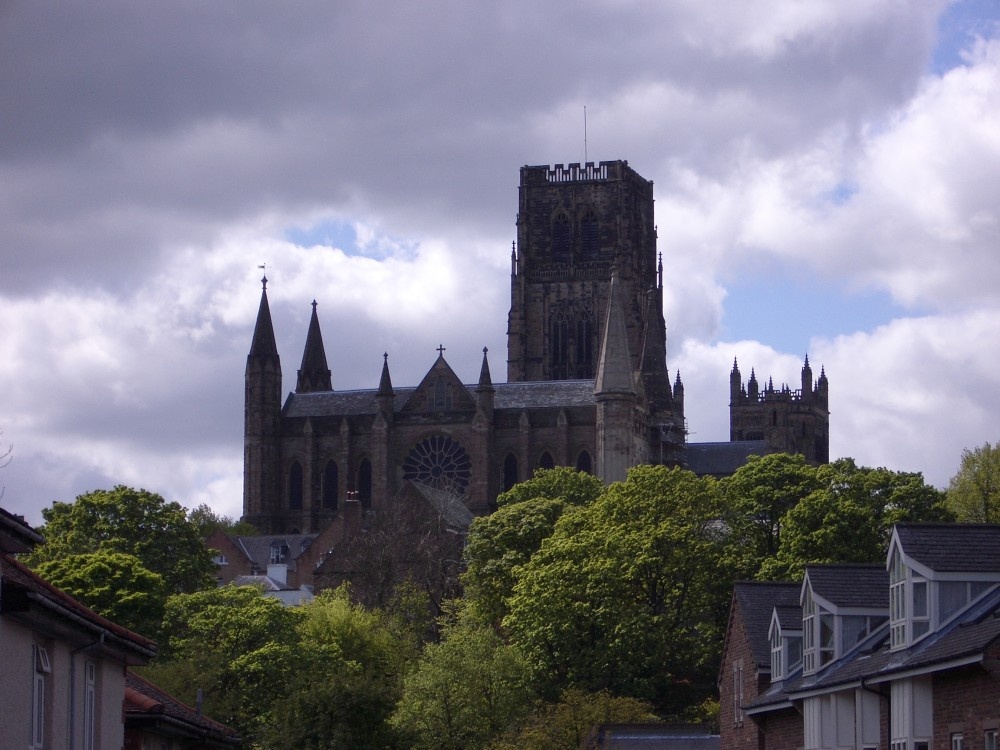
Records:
x=279, y=573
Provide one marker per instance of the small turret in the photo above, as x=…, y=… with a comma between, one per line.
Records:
x=679, y=396
x=753, y=388
x=807, y=380
x=385, y=395
x=484, y=389
x=735, y=383
x=314, y=375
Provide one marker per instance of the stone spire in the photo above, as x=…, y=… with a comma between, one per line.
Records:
x=485, y=381
x=263, y=348
x=314, y=375
x=614, y=368
x=385, y=382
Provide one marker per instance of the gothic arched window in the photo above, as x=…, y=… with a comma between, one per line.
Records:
x=509, y=477
x=546, y=461
x=585, y=343
x=561, y=238
x=559, y=348
x=439, y=462
x=365, y=483
x=330, y=480
x=589, y=240
x=584, y=462
x=295, y=486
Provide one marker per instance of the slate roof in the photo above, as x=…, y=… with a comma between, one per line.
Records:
x=650, y=737
x=757, y=601
x=530, y=395
x=258, y=548
x=148, y=707
x=789, y=618
x=847, y=586
x=952, y=548
x=449, y=506
x=16, y=535
x=721, y=459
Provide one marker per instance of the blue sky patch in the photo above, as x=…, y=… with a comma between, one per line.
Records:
x=959, y=25
x=329, y=233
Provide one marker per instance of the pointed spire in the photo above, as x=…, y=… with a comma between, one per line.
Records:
x=385, y=382
x=485, y=381
x=263, y=347
x=659, y=272
x=314, y=374
x=807, y=380
x=614, y=368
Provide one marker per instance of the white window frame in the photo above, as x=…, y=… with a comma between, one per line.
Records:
x=738, y=693
x=90, y=706
x=990, y=739
x=957, y=741
x=777, y=654
x=42, y=667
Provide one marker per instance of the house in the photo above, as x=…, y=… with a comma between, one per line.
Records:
x=289, y=559
x=155, y=719
x=64, y=666
x=903, y=657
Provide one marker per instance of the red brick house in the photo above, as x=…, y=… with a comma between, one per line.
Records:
x=902, y=657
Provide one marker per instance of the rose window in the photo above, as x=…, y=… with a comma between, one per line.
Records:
x=439, y=462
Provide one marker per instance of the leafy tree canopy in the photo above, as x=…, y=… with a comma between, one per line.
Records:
x=207, y=521
x=113, y=584
x=974, y=491
x=850, y=518
x=625, y=595
x=571, y=486
x=565, y=725
x=133, y=522
x=240, y=647
x=464, y=691
x=348, y=681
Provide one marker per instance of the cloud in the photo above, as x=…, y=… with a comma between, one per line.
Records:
x=161, y=154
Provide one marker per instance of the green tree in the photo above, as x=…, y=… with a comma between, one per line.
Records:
x=758, y=496
x=850, y=518
x=498, y=544
x=565, y=725
x=464, y=691
x=113, y=584
x=571, y=486
x=974, y=491
x=134, y=522
x=207, y=520
x=239, y=646
x=348, y=681
x=625, y=595
x=526, y=515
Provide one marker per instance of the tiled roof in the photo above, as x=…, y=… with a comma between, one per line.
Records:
x=16, y=575
x=952, y=547
x=757, y=601
x=790, y=617
x=857, y=586
x=145, y=701
x=449, y=506
x=721, y=459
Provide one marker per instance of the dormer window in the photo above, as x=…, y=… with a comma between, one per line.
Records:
x=818, y=643
x=786, y=650
x=909, y=603
x=279, y=552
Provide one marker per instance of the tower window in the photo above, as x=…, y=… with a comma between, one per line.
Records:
x=546, y=461
x=584, y=462
x=585, y=340
x=295, y=486
x=561, y=238
x=559, y=348
x=589, y=242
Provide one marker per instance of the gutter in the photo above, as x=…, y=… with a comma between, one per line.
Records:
x=89, y=625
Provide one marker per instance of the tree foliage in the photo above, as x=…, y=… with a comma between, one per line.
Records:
x=348, y=681
x=464, y=691
x=133, y=522
x=564, y=725
x=850, y=518
x=625, y=595
x=206, y=521
x=113, y=584
x=240, y=647
x=571, y=486
x=974, y=491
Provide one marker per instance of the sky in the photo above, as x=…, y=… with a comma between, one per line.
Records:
x=826, y=177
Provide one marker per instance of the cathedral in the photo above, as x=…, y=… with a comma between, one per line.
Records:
x=587, y=381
